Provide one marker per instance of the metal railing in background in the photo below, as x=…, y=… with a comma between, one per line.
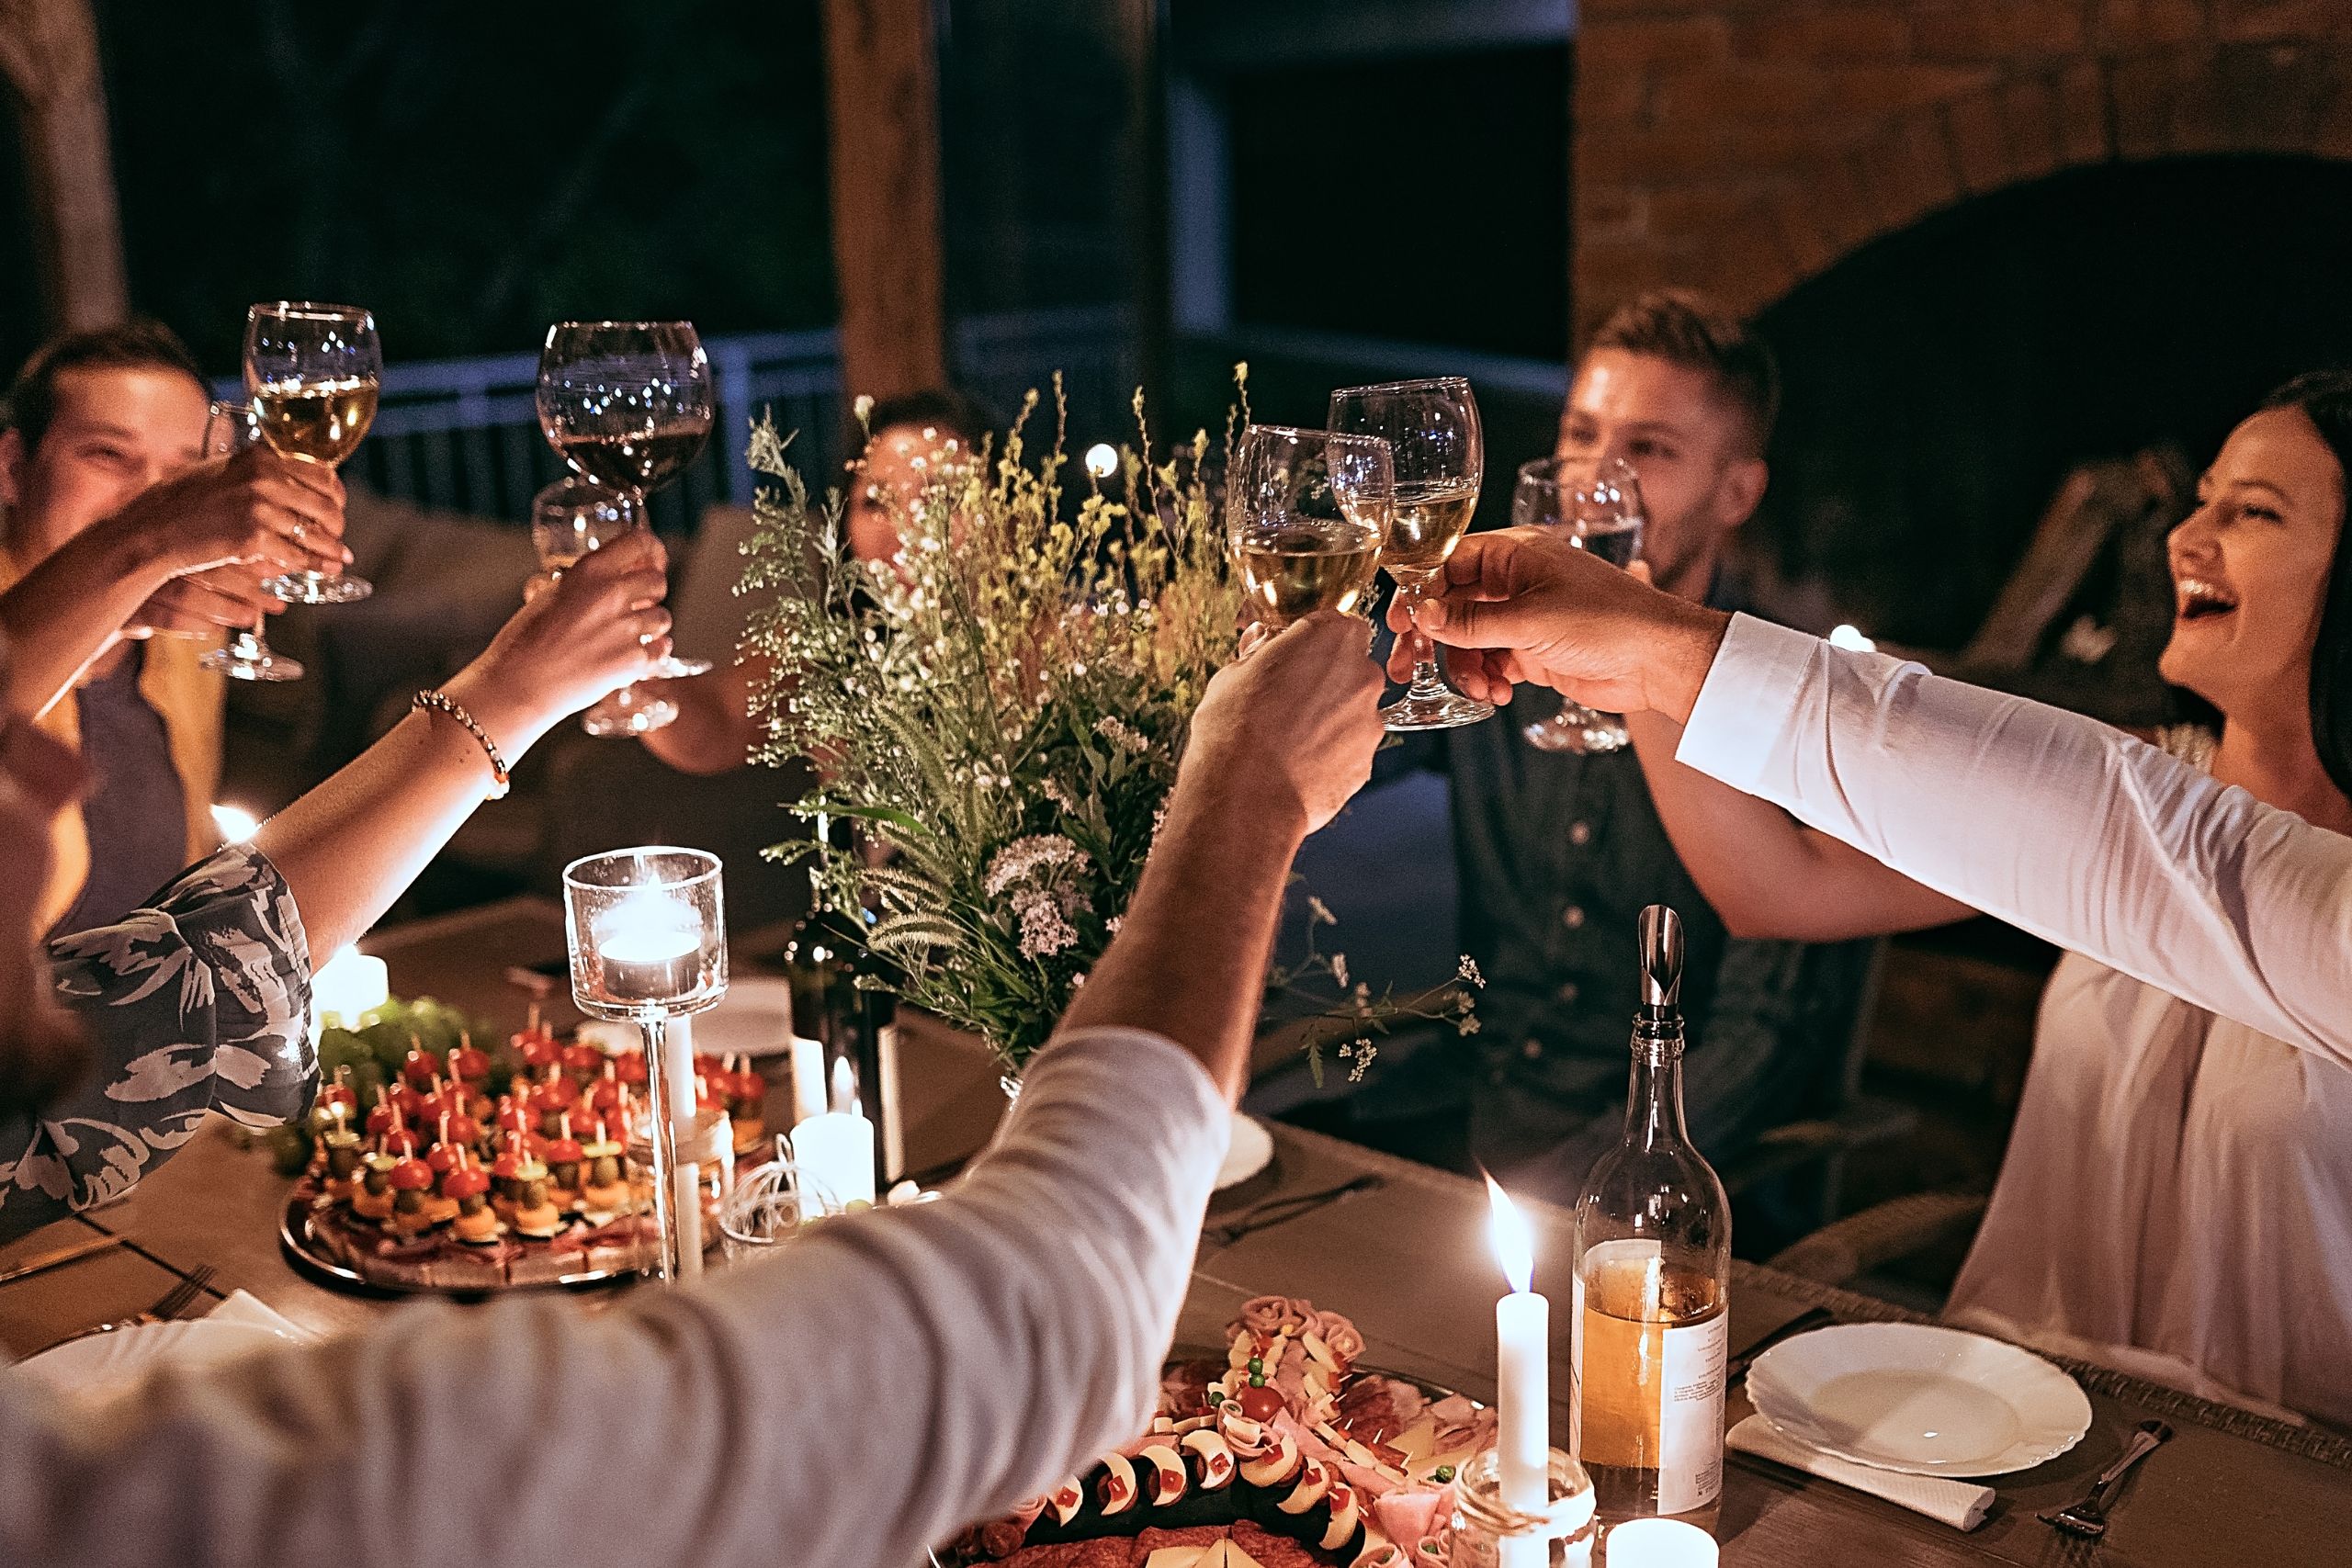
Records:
x=463, y=435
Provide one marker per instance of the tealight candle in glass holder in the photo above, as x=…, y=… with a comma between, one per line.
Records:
x=647, y=932
x=648, y=939
x=1486, y=1532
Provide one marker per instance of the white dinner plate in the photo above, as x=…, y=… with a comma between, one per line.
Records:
x=99, y=1365
x=1251, y=1151
x=753, y=1018
x=1920, y=1399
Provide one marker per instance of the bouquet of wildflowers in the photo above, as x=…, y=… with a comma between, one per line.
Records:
x=998, y=714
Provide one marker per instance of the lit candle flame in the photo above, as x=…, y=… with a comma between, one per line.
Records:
x=234, y=823
x=1514, y=1238
x=844, y=1084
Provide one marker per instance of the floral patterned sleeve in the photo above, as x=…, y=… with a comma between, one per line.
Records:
x=201, y=1002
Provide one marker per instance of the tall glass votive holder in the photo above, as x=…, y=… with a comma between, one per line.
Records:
x=647, y=932
x=1487, y=1532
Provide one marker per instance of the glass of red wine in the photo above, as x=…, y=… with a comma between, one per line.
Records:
x=627, y=406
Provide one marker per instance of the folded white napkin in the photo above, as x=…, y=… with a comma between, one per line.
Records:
x=1959, y=1504
x=244, y=1307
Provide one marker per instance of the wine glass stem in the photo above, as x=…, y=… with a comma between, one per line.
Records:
x=1429, y=681
x=669, y=1263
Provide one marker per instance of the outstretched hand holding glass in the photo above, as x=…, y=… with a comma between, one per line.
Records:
x=1598, y=509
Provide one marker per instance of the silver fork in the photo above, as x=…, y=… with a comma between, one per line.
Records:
x=2088, y=1519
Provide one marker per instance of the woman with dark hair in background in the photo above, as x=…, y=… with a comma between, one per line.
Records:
x=2178, y=1186
x=897, y=443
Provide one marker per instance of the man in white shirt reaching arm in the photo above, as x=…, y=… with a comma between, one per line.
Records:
x=2054, y=822
x=890, y=1379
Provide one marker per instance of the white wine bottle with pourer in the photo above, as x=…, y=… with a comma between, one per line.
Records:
x=1652, y=1283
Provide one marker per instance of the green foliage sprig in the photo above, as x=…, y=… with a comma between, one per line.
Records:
x=997, y=712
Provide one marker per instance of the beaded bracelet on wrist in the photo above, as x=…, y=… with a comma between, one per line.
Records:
x=434, y=700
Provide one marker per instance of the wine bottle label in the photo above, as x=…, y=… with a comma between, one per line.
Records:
x=1647, y=1345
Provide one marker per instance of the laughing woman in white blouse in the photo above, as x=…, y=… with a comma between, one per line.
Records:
x=2177, y=1193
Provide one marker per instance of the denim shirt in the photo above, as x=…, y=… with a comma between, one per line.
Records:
x=1556, y=854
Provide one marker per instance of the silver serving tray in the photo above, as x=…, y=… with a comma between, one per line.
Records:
x=309, y=1258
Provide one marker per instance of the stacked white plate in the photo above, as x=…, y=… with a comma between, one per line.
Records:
x=1919, y=1400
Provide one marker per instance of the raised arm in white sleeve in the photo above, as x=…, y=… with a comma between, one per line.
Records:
x=885, y=1380
x=2054, y=822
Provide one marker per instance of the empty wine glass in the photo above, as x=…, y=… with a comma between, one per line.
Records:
x=1599, y=508
x=569, y=518
x=311, y=371
x=1305, y=512
x=1438, y=457
x=230, y=428
x=628, y=405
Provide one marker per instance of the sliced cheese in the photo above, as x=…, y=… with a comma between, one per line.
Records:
x=1345, y=1516
x=1118, y=1489
x=1314, y=1480
x=1168, y=1475
x=1237, y=1558
x=1317, y=1348
x=1176, y=1557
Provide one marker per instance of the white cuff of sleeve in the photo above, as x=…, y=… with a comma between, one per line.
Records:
x=1744, y=707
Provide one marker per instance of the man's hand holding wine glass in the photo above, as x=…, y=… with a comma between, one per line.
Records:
x=1527, y=605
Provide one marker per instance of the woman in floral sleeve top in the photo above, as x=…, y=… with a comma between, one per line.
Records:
x=208, y=996
x=202, y=1001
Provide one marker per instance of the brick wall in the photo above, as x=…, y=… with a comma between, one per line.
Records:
x=1741, y=146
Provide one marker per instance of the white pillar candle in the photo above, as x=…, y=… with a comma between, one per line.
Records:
x=650, y=947
x=685, y=1177
x=1523, y=1382
x=808, y=1079
x=833, y=1156
x=1659, y=1543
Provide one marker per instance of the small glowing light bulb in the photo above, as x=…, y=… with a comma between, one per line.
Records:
x=1851, y=638
x=1102, y=459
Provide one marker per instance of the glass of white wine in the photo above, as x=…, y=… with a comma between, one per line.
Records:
x=1305, y=512
x=1439, y=455
x=229, y=429
x=1599, y=506
x=311, y=371
x=569, y=518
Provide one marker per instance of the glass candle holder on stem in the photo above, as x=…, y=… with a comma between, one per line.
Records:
x=647, y=934
x=1486, y=1532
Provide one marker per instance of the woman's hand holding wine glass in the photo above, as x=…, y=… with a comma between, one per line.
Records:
x=1305, y=512
x=600, y=626
x=1439, y=455
x=311, y=372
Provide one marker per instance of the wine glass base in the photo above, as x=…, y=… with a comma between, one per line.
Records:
x=676, y=668
x=261, y=666
x=1439, y=710
x=1586, y=735
x=317, y=588
x=628, y=712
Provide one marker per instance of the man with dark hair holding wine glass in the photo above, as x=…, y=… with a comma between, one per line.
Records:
x=111, y=525
x=1558, y=852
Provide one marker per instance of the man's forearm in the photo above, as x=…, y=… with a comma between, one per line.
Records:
x=1190, y=960
x=66, y=611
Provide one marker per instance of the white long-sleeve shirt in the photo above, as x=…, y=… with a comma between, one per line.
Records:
x=886, y=1380
x=2054, y=822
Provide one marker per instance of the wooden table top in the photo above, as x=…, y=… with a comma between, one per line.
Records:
x=1406, y=1261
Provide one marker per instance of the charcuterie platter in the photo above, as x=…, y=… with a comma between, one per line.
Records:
x=1279, y=1451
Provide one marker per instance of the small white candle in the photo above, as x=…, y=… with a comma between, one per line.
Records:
x=1659, y=1543
x=350, y=985
x=808, y=1079
x=833, y=1156
x=1522, y=1381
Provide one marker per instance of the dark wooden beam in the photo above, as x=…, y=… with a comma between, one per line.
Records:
x=49, y=58
x=889, y=254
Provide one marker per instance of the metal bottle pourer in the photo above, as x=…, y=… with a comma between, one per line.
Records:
x=1659, y=934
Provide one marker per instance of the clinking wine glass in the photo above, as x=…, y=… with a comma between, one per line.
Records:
x=311, y=371
x=628, y=405
x=1438, y=457
x=1305, y=512
x=569, y=518
x=1599, y=506
x=230, y=428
